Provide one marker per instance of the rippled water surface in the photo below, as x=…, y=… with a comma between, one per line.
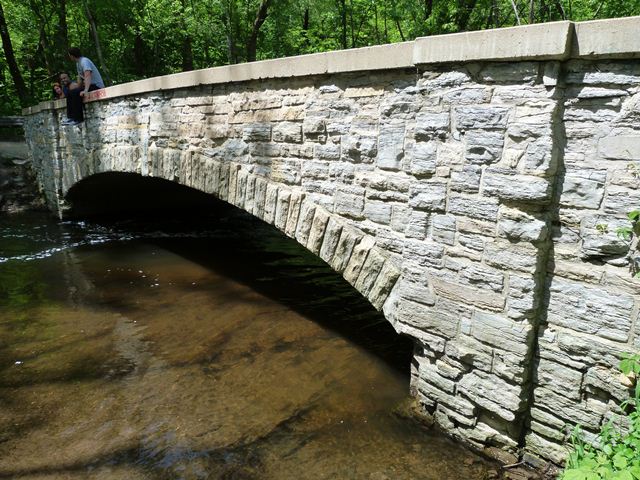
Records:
x=179, y=352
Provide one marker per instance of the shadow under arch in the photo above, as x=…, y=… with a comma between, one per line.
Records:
x=128, y=200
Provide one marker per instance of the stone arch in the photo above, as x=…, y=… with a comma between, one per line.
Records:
x=347, y=250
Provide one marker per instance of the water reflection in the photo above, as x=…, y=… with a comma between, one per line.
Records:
x=226, y=353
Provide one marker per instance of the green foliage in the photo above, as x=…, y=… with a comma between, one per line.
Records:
x=616, y=456
x=144, y=38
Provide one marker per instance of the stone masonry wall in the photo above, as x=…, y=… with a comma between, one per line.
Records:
x=475, y=204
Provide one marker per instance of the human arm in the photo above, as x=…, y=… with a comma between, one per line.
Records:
x=87, y=82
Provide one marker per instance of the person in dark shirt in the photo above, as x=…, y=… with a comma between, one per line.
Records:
x=89, y=79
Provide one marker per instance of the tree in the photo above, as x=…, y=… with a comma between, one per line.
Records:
x=10, y=58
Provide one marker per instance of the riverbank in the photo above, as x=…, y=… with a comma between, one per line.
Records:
x=18, y=190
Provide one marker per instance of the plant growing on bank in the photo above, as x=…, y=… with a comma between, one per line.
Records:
x=632, y=234
x=616, y=455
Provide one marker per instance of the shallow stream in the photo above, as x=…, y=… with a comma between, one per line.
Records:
x=213, y=349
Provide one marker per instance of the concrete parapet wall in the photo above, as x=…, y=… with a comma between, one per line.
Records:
x=474, y=202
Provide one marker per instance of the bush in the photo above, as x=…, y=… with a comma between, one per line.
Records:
x=616, y=456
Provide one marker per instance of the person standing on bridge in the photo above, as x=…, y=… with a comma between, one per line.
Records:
x=89, y=79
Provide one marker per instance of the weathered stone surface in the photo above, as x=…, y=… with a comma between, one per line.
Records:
x=391, y=146
x=428, y=195
x=423, y=162
x=474, y=207
x=516, y=188
x=590, y=310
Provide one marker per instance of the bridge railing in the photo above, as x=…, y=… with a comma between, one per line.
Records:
x=560, y=41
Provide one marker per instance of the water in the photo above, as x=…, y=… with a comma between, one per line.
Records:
x=176, y=351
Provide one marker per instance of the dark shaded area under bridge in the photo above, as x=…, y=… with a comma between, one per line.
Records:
x=127, y=201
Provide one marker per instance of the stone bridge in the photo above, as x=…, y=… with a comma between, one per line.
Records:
x=469, y=185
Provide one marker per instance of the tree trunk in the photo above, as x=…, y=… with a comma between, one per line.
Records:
x=18, y=81
x=232, y=51
x=428, y=8
x=343, y=18
x=532, y=11
x=305, y=28
x=252, y=41
x=187, y=48
x=93, y=28
x=61, y=37
x=464, y=13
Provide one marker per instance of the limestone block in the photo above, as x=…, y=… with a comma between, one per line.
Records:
x=479, y=276
x=370, y=271
x=517, y=188
x=233, y=183
x=316, y=235
x=378, y=212
x=293, y=213
x=483, y=146
x=391, y=146
x=359, y=149
x=257, y=132
x=260, y=196
x=383, y=285
x=618, y=200
x=466, y=180
x=467, y=96
x=482, y=117
x=480, y=388
x=348, y=239
x=600, y=238
x=317, y=170
x=581, y=193
x=553, y=451
x=451, y=153
x=286, y=170
x=282, y=209
x=600, y=379
x=416, y=290
x=330, y=240
x=511, y=72
x=508, y=256
x=305, y=221
x=423, y=318
x=422, y=253
x=517, y=225
x=342, y=171
x=358, y=257
x=443, y=229
x=468, y=295
x=522, y=300
x=270, y=203
x=482, y=208
x=429, y=195
x=586, y=413
x=349, y=201
x=400, y=215
x=313, y=126
x=290, y=132
x=263, y=149
x=417, y=224
x=330, y=151
x=429, y=373
x=559, y=378
x=241, y=188
x=478, y=227
x=424, y=158
x=431, y=125
x=591, y=310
